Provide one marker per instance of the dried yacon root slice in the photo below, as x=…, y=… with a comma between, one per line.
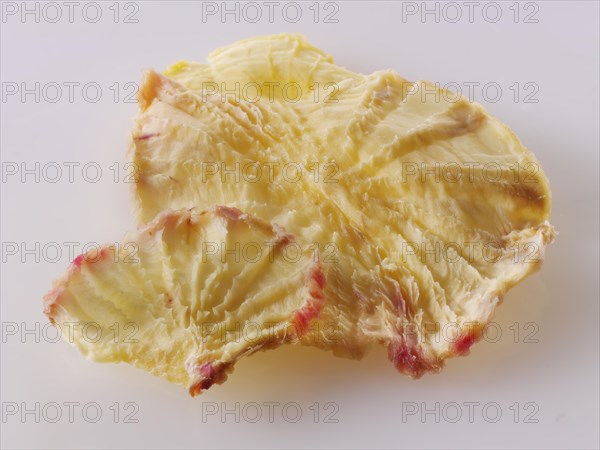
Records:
x=189, y=295
x=432, y=207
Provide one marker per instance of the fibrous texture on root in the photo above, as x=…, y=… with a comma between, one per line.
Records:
x=425, y=208
x=188, y=295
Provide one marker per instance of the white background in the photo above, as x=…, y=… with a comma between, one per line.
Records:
x=558, y=374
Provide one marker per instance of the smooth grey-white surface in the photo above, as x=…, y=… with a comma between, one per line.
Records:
x=535, y=67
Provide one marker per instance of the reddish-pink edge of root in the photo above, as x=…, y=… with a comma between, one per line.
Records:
x=229, y=212
x=78, y=261
x=210, y=374
x=409, y=358
x=143, y=137
x=462, y=346
x=52, y=298
x=314, y=304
